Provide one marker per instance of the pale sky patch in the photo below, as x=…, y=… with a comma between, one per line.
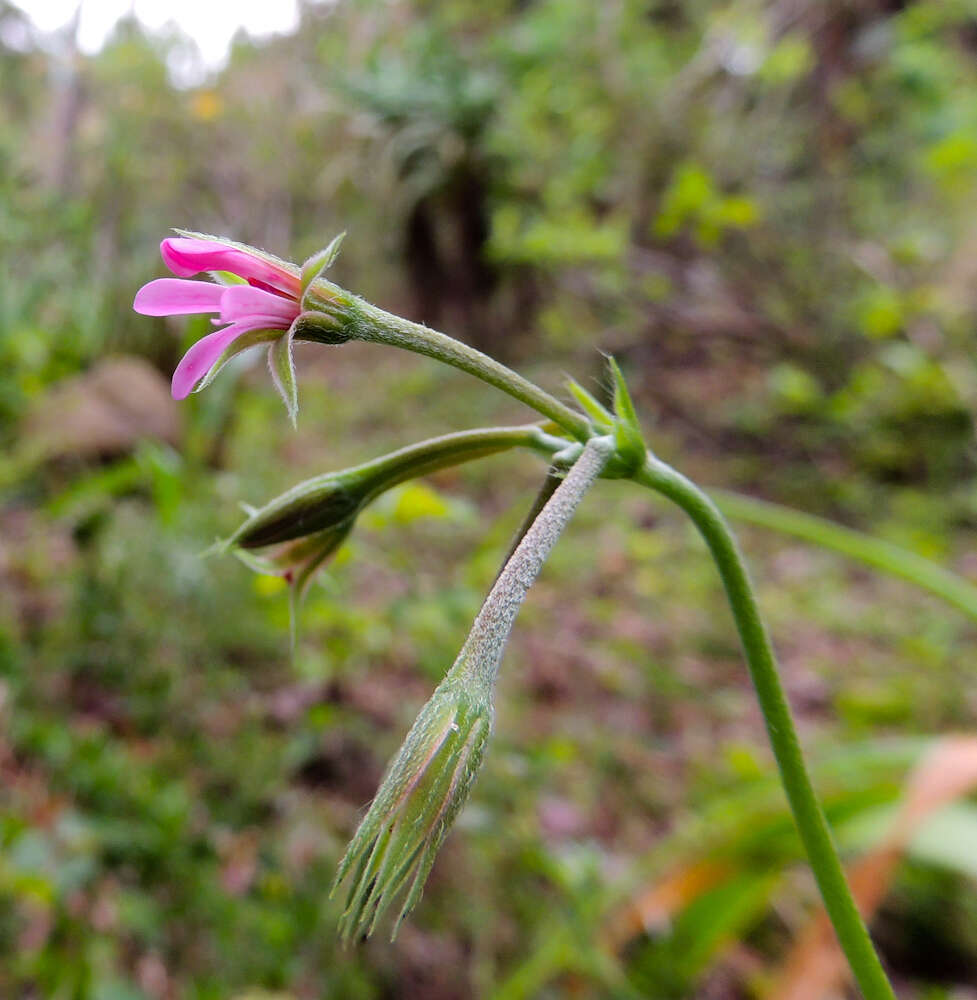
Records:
x=211, y=24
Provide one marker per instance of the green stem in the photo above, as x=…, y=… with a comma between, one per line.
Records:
x=377, y=326
x=481, y=654
x=808, y=814
x=331, y=499
x=553, y=479
x=443, y=452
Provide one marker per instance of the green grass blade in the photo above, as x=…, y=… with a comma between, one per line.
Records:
x=880, y=555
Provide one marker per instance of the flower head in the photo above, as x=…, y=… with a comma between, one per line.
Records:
x=260, y=299
x=423, y=791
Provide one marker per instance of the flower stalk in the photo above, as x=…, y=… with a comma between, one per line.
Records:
x=380, y=327
x=482, y=652
x=812, y=825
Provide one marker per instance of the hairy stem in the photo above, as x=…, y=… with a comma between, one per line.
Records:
x=377, y=326
x=480, y=656
x=443, y=452
x=550, y=484
x=812, y=824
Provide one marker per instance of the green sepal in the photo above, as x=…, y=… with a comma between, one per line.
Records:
x=628, y=439
x=226, y=278
x=319, y=263
x=298, y=560
x=623, y=406
x=425, y=787
x=319, y=327
x=598, y=413
x=297, y=563
x=316, y=551
x=257, y=564
x=282, y=366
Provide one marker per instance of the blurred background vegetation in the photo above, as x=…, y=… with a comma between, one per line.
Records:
x=765, y=210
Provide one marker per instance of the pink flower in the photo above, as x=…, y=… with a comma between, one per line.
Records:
x=264, y=308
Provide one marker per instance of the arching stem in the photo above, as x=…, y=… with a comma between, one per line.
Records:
x=380, y=327
x=812, y=825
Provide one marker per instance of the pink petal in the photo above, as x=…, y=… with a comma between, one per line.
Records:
x=176, y=297
x=240, y=301
x=186, y=257
x=199, y=359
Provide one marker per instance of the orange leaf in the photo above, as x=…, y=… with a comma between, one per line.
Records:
x=816, y=965
x=653, y=909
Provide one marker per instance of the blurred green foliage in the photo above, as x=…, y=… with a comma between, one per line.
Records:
x=765, y=210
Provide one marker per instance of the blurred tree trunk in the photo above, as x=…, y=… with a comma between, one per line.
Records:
x=452, y=283
x=66, y=107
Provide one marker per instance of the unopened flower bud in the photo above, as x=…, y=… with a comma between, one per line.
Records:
x=320, y=508
x=306, y=509
x=425, y=787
